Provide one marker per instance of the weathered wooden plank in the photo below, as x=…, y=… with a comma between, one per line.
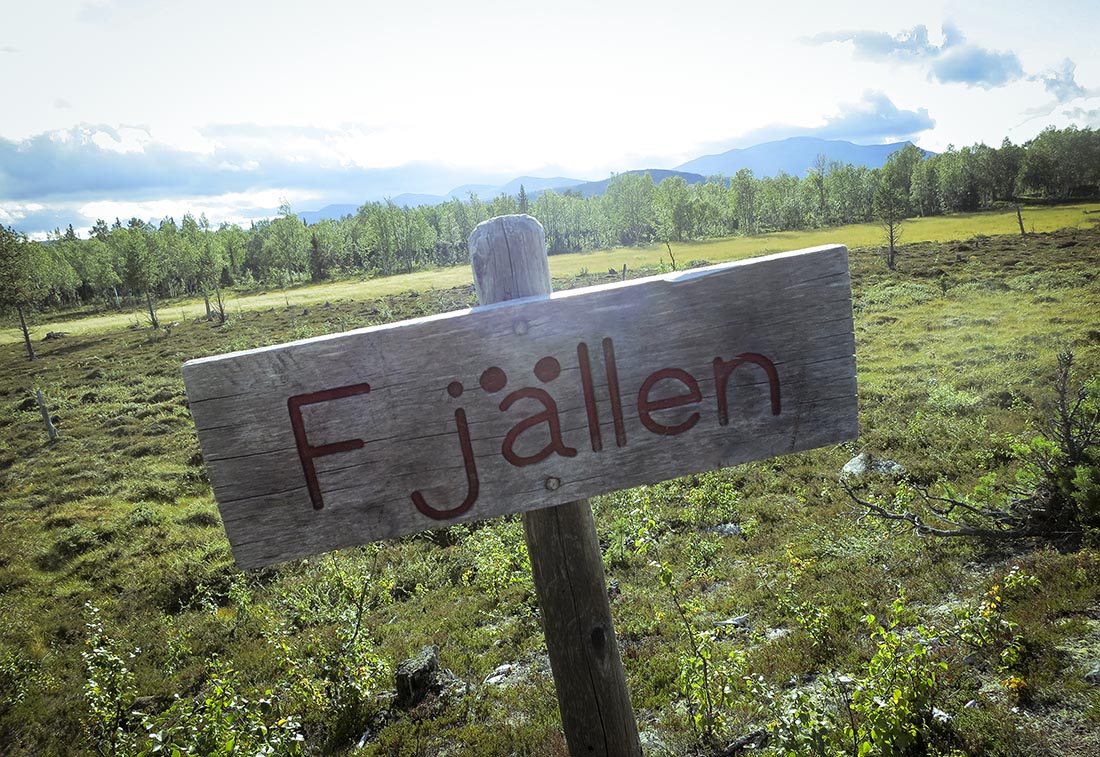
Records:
x=593, y=390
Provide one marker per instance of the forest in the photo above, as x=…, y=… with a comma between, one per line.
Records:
x=136, y=262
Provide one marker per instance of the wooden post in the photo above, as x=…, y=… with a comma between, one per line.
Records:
x=26, y=334
x=46, y=415
x=508, y=254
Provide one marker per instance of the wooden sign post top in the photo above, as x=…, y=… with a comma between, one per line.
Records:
x=370, y=434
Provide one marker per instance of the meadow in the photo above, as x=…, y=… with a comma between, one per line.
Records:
x=759, y=603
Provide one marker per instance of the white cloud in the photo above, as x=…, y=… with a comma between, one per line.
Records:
x=14, y=212
x=956, y=61
x=234, y=207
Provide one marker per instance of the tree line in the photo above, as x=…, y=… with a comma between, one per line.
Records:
x=137, y=262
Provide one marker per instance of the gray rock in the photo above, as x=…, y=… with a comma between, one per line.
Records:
x=863, y=465
x=414, y=676
x=727, y=529
x=741, y=621
x=499, y=677
x=651, y=743
x=747, y=744
x=775, y=634
x=1093, y=676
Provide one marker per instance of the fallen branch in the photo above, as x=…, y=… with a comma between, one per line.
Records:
x=919, y=526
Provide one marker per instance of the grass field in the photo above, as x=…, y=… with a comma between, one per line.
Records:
x=125, y=624
x=936, y=229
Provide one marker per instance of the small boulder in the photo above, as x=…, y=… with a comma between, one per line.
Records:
x=1093, y=676
x=741, y=621
x=749, y=744
x=727, y=529
x=863, y=465
x=499, y=677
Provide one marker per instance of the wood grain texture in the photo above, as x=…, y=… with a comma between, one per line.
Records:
x=508, y=255
x=794, y=309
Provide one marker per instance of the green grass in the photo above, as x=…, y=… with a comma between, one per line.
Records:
x=935, y=229
x=956, y=353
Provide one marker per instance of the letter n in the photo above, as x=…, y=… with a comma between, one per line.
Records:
x=724, y=368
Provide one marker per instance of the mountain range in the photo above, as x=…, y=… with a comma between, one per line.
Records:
x=794, y=155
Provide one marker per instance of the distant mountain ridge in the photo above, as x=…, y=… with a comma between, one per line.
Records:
x=329, y=212
x=794, y=155
x=593, y=188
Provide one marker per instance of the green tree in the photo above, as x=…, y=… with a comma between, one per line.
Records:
x=330, y=249
x=210, y=263
x=233, y=241
x=815, y=181
x=503, y=205
x=891, y=207
x=142, y=272
x=850, y=191
x=1003, y=168
x=713, y=216
x=924, y=199
x=62, y=252
x=451, y=232
x=673, y=210
x=257, y=262
x=743, y=199
x=956, y=180
x=377, y=229
x=415, y=236
x=23, y=282
x=550, y=210
x=629, y=204
x=900, y=166
x=96, y=270
x=1062, y=163
x=100, y=230
x=286, y=245
x=781, y=205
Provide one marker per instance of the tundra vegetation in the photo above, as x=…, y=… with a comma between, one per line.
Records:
x=770, y=604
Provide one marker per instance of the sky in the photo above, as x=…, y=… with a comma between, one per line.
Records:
x=148, y=108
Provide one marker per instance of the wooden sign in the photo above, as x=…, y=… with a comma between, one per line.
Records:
x=370, y=434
